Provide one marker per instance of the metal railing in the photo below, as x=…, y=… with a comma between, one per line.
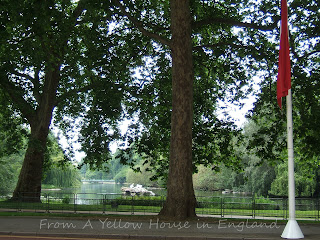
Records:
x=224, y=206
x=258, y=207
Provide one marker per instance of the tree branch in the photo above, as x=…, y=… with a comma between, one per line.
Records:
x=24, y=76
x=292, y=47
x=294, y=52
x=16, y=97
x=311, y=53
x=35, y=82
x=236, y=23
x=77, y=12
x=72, y=92
x=140, y=26
x=219, y=44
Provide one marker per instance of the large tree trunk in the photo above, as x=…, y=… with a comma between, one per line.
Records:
x=181, y=202
x=28, y=187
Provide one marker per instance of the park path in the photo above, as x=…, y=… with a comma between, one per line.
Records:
x=8, y=237
x=122, y=227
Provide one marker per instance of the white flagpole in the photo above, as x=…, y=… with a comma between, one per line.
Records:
x=292, y=229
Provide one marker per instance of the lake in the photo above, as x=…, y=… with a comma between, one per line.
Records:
x=113, y=188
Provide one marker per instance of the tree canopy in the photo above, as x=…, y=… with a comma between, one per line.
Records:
x=59, y=58
x=305, y=56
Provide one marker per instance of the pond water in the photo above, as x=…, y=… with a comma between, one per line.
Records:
x=91, y=193
x=113, y=188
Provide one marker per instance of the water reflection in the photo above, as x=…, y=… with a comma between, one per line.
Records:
x=91, y=192
x=94, y=190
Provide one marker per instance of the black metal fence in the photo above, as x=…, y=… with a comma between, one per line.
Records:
x=225, y=206
x=258, y=207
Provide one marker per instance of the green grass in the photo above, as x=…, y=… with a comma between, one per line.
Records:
x=153, y=204
x=143, y=208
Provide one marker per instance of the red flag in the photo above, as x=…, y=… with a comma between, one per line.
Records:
x=284, y=72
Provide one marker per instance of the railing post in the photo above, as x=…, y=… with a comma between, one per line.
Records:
x=19, y=202
x=132, y=205
x=318, y=207
x=75, y=202
x=104, y=202
x=221, y=207
x=48, y=204
x=253, y=206
x=285, y=213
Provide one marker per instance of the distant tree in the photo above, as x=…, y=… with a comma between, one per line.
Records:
x=205, y=179
x=67, y=176
x=142, y=174
x=121, y=177
x=305, y=183
x=9, y=171
x=58, y=171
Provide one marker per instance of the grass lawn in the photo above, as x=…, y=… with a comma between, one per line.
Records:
x=147, y=205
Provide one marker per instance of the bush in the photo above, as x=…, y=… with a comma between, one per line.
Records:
x=66, y=200
x=138, y=201
x=262, y=203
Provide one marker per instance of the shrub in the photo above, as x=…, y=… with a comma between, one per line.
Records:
x=66, y=200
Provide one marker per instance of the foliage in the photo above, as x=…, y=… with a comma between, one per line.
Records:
x=121, y=176
x=143, y=176
x=255, y=175
x=261, y=176
x=205, y=179
x=66, y=200
x=59, y=59
x=58, y=171
x=54, y=155
x=258, y=179
x=12, y=132
x=12, y=145
x=221, y=59
x=63, y=177
x=270, y=140
x=95, y=47
x=113, y=169
x=305, y=186
x=96, y=174
x=9, y=171
x=255, y=179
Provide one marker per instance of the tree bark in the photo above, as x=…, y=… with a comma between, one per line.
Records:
x=181, y=202
x=28, y=187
